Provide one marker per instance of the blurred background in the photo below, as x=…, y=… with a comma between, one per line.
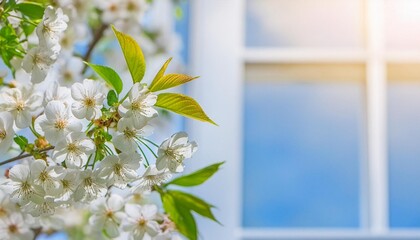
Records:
x=318, y=103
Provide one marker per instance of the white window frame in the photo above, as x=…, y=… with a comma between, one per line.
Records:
x=218, y=54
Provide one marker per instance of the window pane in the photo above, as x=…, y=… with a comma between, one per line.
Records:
x=302, y=154
x=404, y=144
x=303, y=23
x=402, y=21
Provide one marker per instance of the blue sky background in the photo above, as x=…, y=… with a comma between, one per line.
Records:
x=303, y=149
x=302, y=155
x=404, y=154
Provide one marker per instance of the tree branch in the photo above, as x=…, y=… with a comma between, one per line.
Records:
x=20, y=156
x=98, y=35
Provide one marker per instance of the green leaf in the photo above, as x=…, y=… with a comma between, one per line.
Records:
x=181, y=216
x=182, y=105
x=27, y=28
x=21, y=141
x=109, y=75
x=132, y=54
x=10, y=4
x=112, y=98
x=193, y=203
x=197, y=177
x=161, y=71
x=32, y=10
x=169, y=81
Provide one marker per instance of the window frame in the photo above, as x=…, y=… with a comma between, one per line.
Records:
x=221, y=62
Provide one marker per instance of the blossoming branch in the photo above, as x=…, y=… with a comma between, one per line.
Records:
x=84, y=142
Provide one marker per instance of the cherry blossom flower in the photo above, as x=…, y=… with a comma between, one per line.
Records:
x=57, y=122
x=138, y=105
x=22, y=103
x=120, y=170
x=48, y=177
x=69, y=70
x=173, y=151
x=151, y=177
x=141, y=221
x=41, y=204
x=112, y=10
x=19, y=184
x=55, y=92
x=6, y=206
x=52, y=25
x=15, y=227
x=74, y=149
x=107, y=214
x=70, y=182
x=89, y=97
x=38, y=61
x=6, y=131
x=127, y=137
x=91, y=186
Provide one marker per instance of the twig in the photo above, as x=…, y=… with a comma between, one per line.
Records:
x=98, y=35
x=20, y=156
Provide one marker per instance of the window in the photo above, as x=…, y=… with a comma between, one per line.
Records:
x=361, y=57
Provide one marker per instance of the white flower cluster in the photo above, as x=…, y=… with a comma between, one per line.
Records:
x=39, y=59
x=84, y=149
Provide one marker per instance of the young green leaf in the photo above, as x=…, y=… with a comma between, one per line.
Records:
x=162, y=70
x=133, y=55
x=193, y=203
x=182, y=105
x=112, y=98
x=21, y=141
x=109, y=75
x=33, y=11
x=197, y=177
x=169, y=81
x=181, y=216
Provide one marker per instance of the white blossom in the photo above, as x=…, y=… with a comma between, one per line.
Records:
x=127, y=137
x=50, y=28
x=173, y=151
x=41, y=204
x=89, y=97
x=15, y=227
x=57, y=122
x=22, y=103
x=91, y=186
x=69, y=70
x=48, y=177
x=112, y=10
x=70, y=182
x=107, y=214
x=74, y=149
x=38, y=61
x=6, y=131
x=141, y=221
x=19, y=184
x=152, y=176
x=57, y=93
x=121, y=169
x=138, y=105
x=7, y=207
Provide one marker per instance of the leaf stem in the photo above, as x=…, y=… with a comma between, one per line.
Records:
x=151, y=150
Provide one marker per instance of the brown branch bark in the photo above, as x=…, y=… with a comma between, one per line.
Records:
x=21, y=156
x=98, y=35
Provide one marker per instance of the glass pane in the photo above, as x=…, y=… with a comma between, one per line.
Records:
x=402, y=21
x=302, y=154
x=404, y=145
x=303, y=23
